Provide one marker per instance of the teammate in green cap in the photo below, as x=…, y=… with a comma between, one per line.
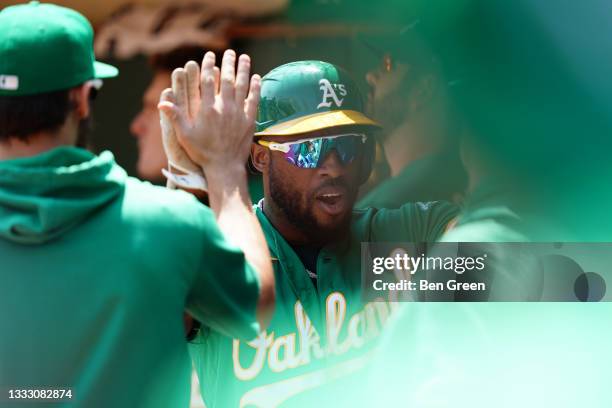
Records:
x=314, y=148
x=98, y=268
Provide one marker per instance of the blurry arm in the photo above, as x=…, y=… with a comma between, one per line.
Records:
x=230, y=201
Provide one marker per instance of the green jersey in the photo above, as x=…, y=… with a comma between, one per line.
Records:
x=322, y=332
x=255, y=187
x=97, y=269
x=487, y=217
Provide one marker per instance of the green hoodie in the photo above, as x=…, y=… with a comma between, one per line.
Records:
x=96, y=270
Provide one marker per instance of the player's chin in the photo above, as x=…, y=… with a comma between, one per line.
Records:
x=333, y=224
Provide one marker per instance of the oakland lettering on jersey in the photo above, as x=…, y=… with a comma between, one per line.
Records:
x=302, y=347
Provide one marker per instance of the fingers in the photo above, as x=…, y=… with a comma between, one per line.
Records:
x=168, y=110
x=167, y=96
x=225, y=81
x=252, y=101
x=208, y=89
x=168, y=116
x=179, y=89
x=192, y=70
x=167, y=113
x=228, y=75
x=217, y=73
x=242, y=78
x=166, y=101
x=169, y=120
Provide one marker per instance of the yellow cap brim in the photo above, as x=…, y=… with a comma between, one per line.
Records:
x=319, y=121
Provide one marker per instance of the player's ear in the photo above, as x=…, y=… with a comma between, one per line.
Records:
x=260, y=157
x=80, y=98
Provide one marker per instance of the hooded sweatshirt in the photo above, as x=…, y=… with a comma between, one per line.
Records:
x=96, y=269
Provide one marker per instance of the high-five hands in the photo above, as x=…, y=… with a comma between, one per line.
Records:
x=208, y=117
x=208, y=120
x=177, y=157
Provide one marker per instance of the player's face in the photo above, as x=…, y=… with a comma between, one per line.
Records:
x=145, y=127
x=316, y=201
x=387, y=101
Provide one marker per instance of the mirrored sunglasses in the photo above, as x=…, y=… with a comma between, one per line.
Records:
x=310, y=153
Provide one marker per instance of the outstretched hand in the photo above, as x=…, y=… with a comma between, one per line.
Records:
x=212, y=111
x=212, y=116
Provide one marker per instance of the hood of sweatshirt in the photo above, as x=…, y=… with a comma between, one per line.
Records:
x=44, y=196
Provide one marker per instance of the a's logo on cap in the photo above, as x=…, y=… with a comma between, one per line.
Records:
x=9, y=82
x=329, y=91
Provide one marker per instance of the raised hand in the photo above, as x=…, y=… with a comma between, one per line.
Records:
x=213, y=116
x=213, y=119
x=177, y=157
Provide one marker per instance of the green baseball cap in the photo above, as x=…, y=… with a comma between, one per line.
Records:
x=306, y=96
x=44, y=48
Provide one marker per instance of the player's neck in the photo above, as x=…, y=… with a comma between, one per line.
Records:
x=35, y=143
x=289, y=232
x=401, y=149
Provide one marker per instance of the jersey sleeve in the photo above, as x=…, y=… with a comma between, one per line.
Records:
x=225, y=288
x=413, y=222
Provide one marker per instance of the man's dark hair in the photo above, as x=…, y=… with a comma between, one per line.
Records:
x=21, y=116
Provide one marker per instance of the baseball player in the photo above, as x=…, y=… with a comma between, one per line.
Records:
x=409, y=98
x=313, y=145
x=97, y=267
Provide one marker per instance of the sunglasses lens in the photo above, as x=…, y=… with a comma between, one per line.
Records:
x=348, y=148
x=305, y=155
x=308, y=154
